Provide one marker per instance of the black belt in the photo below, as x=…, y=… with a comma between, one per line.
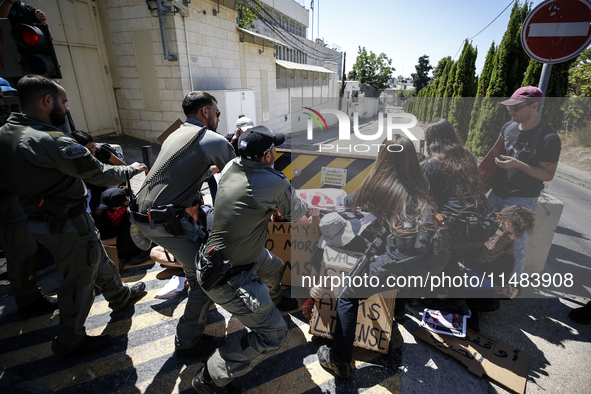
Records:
x=143, y=218
x=236, y=270
x=140, y=217
x=72, y=213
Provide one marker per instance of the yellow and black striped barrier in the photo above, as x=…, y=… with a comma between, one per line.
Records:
x=304, y=168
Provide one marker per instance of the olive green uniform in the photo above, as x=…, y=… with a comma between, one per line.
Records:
x=19, y=249
x=46, y=168
x=175, y=178
x=249, y=191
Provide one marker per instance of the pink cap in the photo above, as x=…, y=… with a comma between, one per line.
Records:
x=529, y=94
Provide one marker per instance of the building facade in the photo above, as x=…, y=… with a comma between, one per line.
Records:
x=128, y=64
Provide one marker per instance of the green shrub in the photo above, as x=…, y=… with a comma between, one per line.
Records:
x=583, y=136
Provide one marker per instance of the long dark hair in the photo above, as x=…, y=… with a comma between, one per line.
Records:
x=458, y=165
x=395, y=190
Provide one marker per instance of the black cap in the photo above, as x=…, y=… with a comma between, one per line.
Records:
x=113, y=198
x=258, y=141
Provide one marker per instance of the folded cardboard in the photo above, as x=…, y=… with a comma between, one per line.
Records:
x=172, y=128
x=294, y=244
x=375, y=315
x=484, y=355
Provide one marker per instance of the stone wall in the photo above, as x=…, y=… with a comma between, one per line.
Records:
x=150, y=97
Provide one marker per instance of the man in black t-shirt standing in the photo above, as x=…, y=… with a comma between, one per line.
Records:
x=532, y=150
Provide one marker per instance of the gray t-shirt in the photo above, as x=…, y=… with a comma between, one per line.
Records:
x=182, y=165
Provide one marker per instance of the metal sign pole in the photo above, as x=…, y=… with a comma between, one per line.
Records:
x=544, y=80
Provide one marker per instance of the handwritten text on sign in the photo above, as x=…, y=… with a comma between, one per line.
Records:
x=375, y=316
x=294, y=244
x=484, y=355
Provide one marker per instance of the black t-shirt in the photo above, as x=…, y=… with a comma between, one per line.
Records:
x=443, y=194
x=516, y=183
x=22, y=13
x=125, y=246
x=234, y=143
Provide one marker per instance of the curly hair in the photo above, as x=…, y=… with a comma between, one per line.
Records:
x=458, y=165
x=521, y=218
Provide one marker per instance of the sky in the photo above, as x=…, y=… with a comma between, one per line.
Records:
x=405, y=30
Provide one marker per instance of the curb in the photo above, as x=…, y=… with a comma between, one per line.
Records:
x=573, y=175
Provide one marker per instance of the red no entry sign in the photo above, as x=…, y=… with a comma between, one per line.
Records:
x=557, y=30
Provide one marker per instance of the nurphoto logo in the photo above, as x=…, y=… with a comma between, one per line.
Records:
x=392, y=123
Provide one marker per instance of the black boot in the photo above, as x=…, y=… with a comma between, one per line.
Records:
x=287, y=304
x=203, y=383
x=581, y=315
x=43, y=305
x=206, y=346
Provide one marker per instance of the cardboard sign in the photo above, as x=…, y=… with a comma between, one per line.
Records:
x=374, y=321
x=375, y=316
x=488, y=167
x=173, y=127
x=294, y=244
x=482, y=354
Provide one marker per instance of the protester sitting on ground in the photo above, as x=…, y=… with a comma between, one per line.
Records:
x=496, y=258
x=105, y=154
x=340, y=231
x=113, y=224
x=396, y=192
x=455, y=184
x=497, y=252
x=202, y=214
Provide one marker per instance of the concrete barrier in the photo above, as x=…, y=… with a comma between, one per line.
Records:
x=537, y=245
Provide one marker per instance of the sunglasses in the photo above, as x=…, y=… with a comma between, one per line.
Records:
x=217, y=113
x=517, y=107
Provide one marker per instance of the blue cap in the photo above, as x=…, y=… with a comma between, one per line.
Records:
x=6, y=86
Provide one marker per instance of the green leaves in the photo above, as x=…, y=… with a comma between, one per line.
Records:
x=247, y=15
x=374, y=70
x=421, y=78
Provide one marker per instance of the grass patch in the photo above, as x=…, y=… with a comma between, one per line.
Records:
x=583, y=136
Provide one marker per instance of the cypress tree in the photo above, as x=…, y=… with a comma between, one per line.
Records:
x=464, y=87
x=507, y=74
x=483, y=83
x=449, y=92
x=438, y=102
x=434, y=86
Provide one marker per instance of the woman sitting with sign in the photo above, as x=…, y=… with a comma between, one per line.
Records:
x=397, y=193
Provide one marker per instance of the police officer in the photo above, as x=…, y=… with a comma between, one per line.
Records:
x=250, y=190
x=188, y=156
x=45, y=168
x=20, y=248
